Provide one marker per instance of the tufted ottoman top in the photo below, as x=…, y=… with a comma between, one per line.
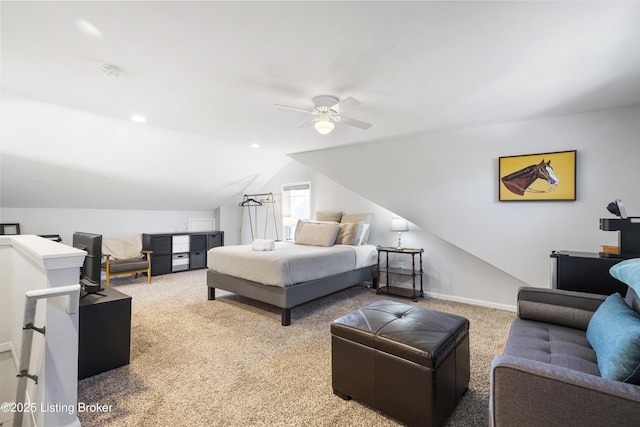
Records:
x=413, y=333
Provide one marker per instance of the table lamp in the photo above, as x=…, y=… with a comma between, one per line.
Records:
x=399, y=225
x=289, y=223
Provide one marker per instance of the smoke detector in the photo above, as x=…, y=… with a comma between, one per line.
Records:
x=110, y=70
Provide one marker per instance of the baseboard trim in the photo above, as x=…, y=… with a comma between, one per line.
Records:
x=473, y=301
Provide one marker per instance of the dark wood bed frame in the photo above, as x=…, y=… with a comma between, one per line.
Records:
x=290, y=296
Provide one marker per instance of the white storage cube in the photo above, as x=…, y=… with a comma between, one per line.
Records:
x=180, y=262
x=180, y=244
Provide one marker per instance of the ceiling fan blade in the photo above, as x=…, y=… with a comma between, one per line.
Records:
x=308, y=123
x=345, y=104
x=353, y=122
x=286, y=107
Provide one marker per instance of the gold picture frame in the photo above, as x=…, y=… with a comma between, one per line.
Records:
x=537, y=177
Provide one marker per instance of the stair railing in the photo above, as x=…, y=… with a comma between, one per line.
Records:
x=31, y=300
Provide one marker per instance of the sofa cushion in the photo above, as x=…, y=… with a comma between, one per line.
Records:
x=553, y=344
x=562, y=315
x=127, y=265
x=614, y=334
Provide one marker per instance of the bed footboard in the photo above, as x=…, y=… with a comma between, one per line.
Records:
x=291, y=296
x=285, y=314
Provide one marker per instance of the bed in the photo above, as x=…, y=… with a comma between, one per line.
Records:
x=292, y=274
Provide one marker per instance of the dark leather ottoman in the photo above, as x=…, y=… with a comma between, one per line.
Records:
x=408, y=362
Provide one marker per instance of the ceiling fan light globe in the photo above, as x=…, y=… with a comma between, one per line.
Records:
x=324, y=126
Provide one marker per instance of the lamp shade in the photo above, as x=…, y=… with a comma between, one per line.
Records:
x=399, y=224
x=289, y=221
x=324, y=126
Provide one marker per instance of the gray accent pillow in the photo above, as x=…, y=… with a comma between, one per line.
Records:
x=350, y=233
x=362, y=217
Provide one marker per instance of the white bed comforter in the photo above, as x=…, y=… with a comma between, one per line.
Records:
x=289, y=263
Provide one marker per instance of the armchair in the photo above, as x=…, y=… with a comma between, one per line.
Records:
x=125, y=256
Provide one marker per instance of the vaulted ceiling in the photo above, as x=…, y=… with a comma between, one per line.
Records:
x=205, y=76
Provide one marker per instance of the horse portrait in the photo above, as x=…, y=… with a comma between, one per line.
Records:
x=547, y=176
x=519, y=182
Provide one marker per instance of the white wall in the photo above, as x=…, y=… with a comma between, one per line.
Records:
x=447, y=184
x=109, y=222
x=234, y=221
x=228, y=220
x=450, y=272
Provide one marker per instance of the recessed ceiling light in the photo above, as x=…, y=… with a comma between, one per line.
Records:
x=89, y=29
x=254, y=145
x=138, y=118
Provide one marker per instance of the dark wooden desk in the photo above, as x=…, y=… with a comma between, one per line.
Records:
x=585, y=272
x=104, y=332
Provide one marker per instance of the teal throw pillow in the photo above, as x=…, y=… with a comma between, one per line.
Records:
x=628, y=272
x=614, y=334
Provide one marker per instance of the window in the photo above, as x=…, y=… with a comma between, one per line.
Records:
x=296, y=204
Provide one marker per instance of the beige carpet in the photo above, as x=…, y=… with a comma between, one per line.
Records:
x=229, y=362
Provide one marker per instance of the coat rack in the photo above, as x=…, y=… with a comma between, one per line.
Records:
x=254, y=201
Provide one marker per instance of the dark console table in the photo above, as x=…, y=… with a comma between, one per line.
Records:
x=585, y=272
x=104, y=332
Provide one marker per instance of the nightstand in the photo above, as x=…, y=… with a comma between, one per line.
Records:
x=104, y=332
x=391, y=273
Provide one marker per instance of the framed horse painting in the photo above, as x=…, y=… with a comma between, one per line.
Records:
x=544, y=176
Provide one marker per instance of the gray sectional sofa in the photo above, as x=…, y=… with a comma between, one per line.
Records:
x=563, y=365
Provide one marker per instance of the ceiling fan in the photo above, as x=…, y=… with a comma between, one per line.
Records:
x=327, y=111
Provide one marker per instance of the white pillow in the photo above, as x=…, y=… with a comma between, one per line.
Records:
x=302, y=222
x=365, y=231
x=317, y=234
